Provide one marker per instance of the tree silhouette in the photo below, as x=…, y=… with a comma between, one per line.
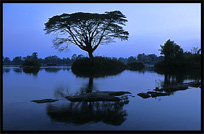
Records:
x=171, y=50
x=86, y=30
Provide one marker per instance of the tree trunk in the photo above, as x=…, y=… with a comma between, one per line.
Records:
x=90, y=55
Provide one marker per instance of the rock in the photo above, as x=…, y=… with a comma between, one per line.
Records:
x=98, y=96
x=143, y=95
x=114, y=93
x=44, y=101
x=156, y=94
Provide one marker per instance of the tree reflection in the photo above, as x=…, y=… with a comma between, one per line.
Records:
x=61, y=92
x=180, y=77
x=89, y=87
x=108, y=112
x=18, y=70
x=177, y=81
x=52, y=70
x=88, y=112
x=6, y=70
x=33, y=71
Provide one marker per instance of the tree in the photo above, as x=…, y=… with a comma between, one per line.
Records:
x=171, y=50
x=86, y=30
x=7, y=61
x=17, y=60
x=53, y=60
x=131, y=59
x=195, y=50
x=34, y=56
x=123, y=60
x=141, y=57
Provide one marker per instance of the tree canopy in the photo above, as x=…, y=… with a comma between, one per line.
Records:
x=171, y=50
x=86, y=30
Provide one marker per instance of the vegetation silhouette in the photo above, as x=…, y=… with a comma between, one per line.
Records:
x=97, y=67
x=136, y=65
x=176, y=60
x=31, y=63
x=150, y=59
x=86, y=30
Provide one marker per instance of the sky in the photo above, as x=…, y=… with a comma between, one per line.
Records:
x=149, y=25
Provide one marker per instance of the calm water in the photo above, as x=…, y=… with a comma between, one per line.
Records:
x=179, y=111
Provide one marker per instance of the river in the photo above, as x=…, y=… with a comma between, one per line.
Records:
x=181, y=110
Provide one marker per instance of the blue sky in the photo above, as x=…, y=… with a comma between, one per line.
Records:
x=149, y=26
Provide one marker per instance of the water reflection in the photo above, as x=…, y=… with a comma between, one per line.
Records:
x=179, y=78
x=97, y=74
x=33, y=71
x=6, y=70
x=61, y=92
x=145, y=69
x=88, y=112
x=174, y=82
x=89, y=87
x=18, y=70
x=52, y=70
x=108, y=112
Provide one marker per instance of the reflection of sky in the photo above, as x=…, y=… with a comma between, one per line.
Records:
x=180, y=111
x=149, y=26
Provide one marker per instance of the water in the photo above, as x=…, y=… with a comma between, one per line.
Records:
x=179, y=111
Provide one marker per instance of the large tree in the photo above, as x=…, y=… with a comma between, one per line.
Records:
x=86, y=30
x=171, y=50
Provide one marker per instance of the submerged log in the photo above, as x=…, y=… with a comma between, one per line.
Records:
x=44, y=101
x=156, y=94
x=174, y=88
x=98, y=96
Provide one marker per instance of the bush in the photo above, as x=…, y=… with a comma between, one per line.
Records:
x=96, y=67
x=136, y=65
x=31, y=63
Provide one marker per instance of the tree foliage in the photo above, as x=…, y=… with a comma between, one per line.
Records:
x=177, y=60
x=171, y=50
x=6, y=61
x=17, y=60
x=86, y=30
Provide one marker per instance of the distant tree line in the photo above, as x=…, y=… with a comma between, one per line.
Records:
x=55, y=60
x=49, y=60
x=145, y=59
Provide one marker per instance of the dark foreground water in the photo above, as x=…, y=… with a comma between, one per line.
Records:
x=179, y=111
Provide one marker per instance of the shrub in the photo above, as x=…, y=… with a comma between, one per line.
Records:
x=33, y=63
x=96, y=67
